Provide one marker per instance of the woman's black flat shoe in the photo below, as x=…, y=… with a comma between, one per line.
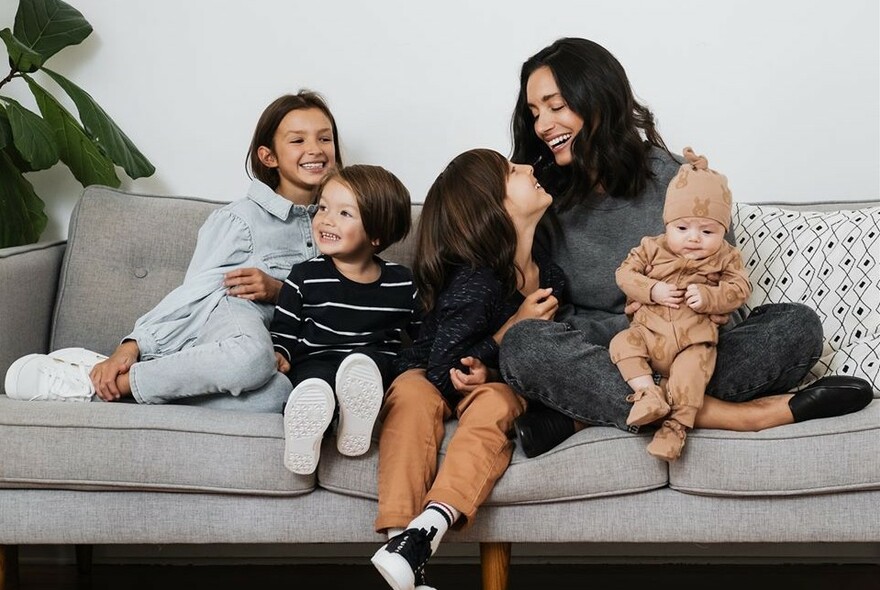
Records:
x=834, y=395
x=540, y=429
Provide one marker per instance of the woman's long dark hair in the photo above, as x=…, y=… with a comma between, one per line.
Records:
x=464, y=222
x=611, y=150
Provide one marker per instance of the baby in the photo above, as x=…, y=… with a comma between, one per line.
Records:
x=680, y=277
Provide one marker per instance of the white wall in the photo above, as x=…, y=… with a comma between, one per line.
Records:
x=783, y=96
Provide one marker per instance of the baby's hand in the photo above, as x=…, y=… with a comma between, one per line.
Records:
x=694, y=298
x=667, y=294
x=282, y=363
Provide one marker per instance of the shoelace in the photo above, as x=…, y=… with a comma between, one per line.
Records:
x=414, y=545
x=67, y=380
x=421, y=581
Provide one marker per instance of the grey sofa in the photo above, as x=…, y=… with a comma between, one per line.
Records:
x=99, y=473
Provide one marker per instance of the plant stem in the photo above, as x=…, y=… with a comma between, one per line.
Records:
x=9, y=77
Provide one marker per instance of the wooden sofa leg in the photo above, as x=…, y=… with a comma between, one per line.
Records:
x=8, y=567
x=84, y=560
x=495, y=561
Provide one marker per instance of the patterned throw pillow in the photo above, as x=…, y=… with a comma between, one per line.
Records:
x=829, y=261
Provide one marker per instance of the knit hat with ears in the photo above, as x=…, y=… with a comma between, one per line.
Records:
x=698, y=191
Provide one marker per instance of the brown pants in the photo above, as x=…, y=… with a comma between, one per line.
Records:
x=413, y=425
x=637, y=350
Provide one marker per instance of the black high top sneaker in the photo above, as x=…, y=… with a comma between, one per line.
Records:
x=421, y=583
x=402, y=560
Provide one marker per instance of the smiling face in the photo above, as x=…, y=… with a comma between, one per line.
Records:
x=337, y=226
x=694, y=237
x=303, y=150
x=525, y=200
x=556, y=124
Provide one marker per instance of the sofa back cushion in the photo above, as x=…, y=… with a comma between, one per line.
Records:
x=828, y=260
x=125, y=252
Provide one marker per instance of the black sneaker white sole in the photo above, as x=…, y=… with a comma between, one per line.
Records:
x=307, y=415
x=402, y=560
x=395, y=569
x=359, y=392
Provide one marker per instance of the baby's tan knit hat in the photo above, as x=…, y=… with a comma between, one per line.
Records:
x=698, y=191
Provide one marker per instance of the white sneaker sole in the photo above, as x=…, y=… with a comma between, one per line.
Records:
x=394, y=568
x=359, y=392
x=307, y=415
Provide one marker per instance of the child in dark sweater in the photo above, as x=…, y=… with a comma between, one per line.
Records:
x=477, y=276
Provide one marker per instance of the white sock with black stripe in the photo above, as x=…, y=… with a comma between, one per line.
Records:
x=438, y=515
x=393, y=532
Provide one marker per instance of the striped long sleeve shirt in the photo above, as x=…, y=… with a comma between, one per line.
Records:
x=322, y=313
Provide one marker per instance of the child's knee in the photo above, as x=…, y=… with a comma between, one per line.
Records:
x=415, y=397
x=254, y=360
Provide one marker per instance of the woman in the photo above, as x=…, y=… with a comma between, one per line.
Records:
x=595, y=148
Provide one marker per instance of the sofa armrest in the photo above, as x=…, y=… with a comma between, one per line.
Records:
x=28, y=283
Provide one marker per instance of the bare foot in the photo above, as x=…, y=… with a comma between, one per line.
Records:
x=750, y=416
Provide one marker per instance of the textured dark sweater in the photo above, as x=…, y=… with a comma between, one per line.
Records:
x=468, y=312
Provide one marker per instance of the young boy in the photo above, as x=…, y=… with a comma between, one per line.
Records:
x=340, y=316
x=680, y=277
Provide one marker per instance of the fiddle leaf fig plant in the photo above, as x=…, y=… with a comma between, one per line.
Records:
x=91, y=146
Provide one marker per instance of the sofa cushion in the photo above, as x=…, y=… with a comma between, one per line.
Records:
x=125, y=252
x=593, y=463
x=125, y=446
x=814, y=457
x=829, y=261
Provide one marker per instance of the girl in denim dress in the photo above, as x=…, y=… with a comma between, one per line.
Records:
x=207, y=342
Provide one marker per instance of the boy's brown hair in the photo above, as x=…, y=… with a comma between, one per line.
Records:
x=383, y=200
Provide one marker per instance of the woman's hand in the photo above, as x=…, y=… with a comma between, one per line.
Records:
x=478, y=374
x=252, y=284
x=104, y=374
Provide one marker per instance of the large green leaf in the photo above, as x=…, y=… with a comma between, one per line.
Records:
x=85, y=161
x=7, y=146
x=5, y=128
x=23, y=219
x=109, y=138
x=32, y=136
x=48, y=26
x=21, y=57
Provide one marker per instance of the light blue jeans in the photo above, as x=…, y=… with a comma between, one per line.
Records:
x=229, y=366
x=769, y=352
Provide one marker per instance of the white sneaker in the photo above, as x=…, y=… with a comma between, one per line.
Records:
x=78, y=356
x=307, y=415
x=359, y=392
x=41, y=377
